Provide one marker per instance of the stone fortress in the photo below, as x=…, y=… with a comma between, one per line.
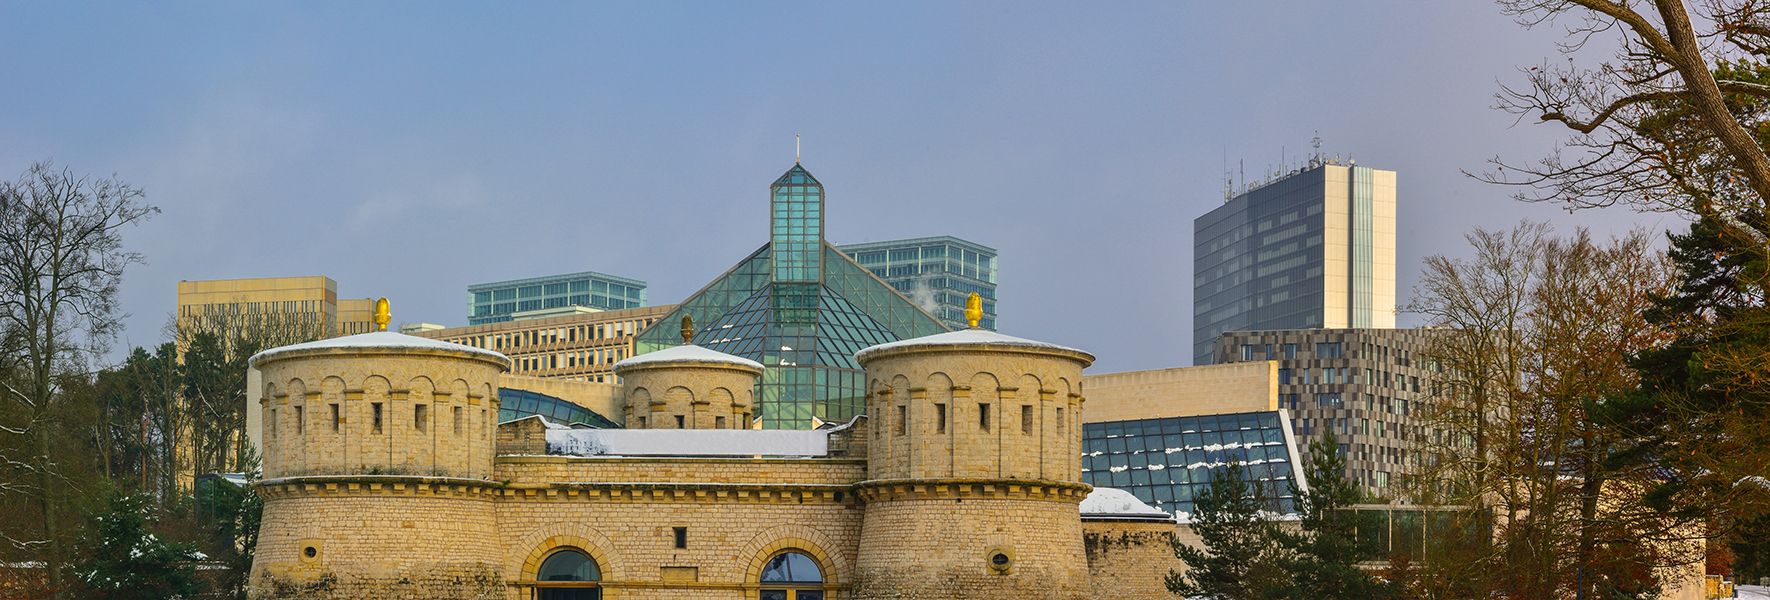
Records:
x=387, y=475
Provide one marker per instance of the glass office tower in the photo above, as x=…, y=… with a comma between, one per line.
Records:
x=489, y=303
x=1314, y=249
x=802, y=308
x=939, y=273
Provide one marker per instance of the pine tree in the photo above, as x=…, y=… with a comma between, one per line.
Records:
x=1239, y=561
x=1322, y=558
x=125, y=560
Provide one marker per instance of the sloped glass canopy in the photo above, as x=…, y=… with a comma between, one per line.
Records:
x=805, y=333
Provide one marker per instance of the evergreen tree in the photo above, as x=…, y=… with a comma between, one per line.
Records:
x=1322, y=558
x=1234, y=521
x=127, y=561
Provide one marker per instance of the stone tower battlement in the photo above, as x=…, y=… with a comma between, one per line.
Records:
x=688, y=387
x=972, y=471
x=379, y=403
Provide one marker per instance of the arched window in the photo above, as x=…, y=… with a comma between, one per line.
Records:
x=568, y=575
x=792, y=576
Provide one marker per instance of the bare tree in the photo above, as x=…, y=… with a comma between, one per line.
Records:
x=215, y=345
x=1671, y=123
x=1535, y=334
x=61, y=260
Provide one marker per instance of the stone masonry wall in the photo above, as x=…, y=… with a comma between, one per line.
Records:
x=1130, y=559
x=974, y=415
x=705, y=395
x=411, y=539
x=630, y=532
x=542, y=470
x=437, y=413
x=940, y=548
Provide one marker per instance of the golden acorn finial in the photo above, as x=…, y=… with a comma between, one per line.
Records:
x=687, y=329
x=382, y=316
x=974, y=308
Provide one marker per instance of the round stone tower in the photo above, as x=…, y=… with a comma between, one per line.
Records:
x=688, y=387
x=377, y=450
x=973, y=469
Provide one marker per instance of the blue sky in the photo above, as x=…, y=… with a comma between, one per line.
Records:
x=409, y=150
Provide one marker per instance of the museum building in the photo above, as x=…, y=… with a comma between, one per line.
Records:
x=388, y=474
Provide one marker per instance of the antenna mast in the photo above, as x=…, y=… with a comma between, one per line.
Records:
x=795, y=148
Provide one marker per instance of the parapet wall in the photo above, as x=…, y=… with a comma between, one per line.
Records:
x=1130, y=559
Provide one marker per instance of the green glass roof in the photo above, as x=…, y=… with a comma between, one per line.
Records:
x=806, y=334
x=797, y=176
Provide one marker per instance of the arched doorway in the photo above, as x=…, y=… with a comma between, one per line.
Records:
x=568, y=575
x=792, y=576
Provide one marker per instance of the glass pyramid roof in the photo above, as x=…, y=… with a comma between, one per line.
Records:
x=805, y=334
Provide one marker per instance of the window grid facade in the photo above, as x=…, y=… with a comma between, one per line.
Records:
x=939, y=273
x=1364, y=384
x=1315, y=249
x=577, y=347
x=1167, y=462
x=489, y=303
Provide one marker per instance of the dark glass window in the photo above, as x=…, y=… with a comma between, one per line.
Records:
x=793, y=576
x=568, y=566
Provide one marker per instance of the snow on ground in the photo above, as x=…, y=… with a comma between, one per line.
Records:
x=1753, y=591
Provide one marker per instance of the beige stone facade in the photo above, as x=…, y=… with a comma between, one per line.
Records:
x=581, y=347
x=985, y=507
x=1182, y=392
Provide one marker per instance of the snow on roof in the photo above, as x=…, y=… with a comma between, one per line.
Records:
x=1116, y=503
x=964, y=337
x=379, y=340
x=688, y=442
x=683, y=354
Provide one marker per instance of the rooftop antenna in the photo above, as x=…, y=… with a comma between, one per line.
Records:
x=795, y=148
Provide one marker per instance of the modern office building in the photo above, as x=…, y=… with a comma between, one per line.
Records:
x=939, y=273
x=1364, y=384
x=1313, y=249
x=308, y=301
x=575, y=346
x=499, y=302
x=802, y=308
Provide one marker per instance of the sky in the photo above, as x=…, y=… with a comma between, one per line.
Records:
x=409, y=150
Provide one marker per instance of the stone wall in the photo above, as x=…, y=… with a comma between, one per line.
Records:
x=1130, y=559
x=1180, y=392
x=547, y=470
x=687, y=395
x=377, y=537
x=372, y=411
x=1001, y=414
x=942, y=548
x=630, y=532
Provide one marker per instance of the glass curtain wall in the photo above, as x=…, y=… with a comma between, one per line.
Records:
x=803, y=317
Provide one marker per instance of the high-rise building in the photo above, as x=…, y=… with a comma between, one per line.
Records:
x=1313, y=249
x=802, y=308
x=1367, y=385
x=300, y=301
x=499, y=302
x=938, y=273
